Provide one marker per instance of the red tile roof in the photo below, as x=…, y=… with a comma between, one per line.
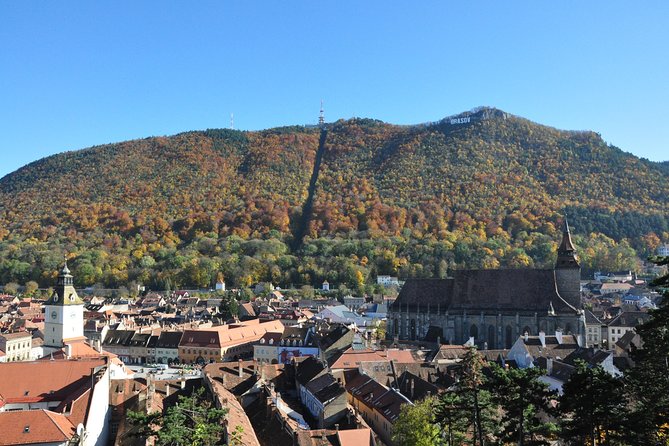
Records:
x=355, y=437
x=34, y=381
x=351, y=358
x=34, y=427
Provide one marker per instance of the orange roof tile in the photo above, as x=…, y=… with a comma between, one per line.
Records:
x=34, y=427
x=355, y=437
x=33, y=381
x=351, y=358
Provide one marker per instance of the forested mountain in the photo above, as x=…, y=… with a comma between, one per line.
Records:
x=481, y=189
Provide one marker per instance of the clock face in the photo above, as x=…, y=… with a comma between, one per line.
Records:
x=54, y=315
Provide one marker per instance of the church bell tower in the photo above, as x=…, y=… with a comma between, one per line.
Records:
x=568, y=270
x=63, y=312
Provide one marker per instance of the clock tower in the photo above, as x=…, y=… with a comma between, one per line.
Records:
x=63, y=313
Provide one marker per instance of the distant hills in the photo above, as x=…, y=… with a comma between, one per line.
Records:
x=480, y=189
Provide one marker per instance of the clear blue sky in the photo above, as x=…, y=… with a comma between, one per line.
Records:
x=76, y=74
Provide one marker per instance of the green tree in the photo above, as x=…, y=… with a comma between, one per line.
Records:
x=416, y=425
x=193, y=421
x=591, y=406
x=476, y=399
x=453, y=417
x=524, y=401
x=647, y=383
x=31, y=286
x=11, y=288
x=229, y=307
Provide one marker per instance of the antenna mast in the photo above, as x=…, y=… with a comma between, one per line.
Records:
x=232, y=121
x=321, y=116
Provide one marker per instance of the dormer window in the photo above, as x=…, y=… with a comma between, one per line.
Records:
x=271, y=341
x=262, y=341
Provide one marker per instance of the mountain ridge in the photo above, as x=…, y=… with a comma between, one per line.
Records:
x=483, y=180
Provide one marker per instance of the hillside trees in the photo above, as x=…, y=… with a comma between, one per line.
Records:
x=412, y=201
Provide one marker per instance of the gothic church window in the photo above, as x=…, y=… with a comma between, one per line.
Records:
x=508, y=338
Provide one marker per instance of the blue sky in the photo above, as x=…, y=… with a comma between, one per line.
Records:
x=76, y=74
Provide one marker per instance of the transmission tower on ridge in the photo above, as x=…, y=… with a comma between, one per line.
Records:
x=232, y=121
x=321, y=116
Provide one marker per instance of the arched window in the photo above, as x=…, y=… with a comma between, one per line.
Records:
x=567, y=329
x=527, y=330
x=474, y=332
x=412, y=330
x=491, y=337
x=396, y=327
x=508, y=337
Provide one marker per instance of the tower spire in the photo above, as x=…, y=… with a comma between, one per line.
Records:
x=566, y=251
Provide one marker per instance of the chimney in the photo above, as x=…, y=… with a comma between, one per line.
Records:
x=68, y=351
x=167, y=389
x=337, y=427
x=183, y=384
x=542, y=338
x=241, y=369
x=579, y=340
x=558, y=336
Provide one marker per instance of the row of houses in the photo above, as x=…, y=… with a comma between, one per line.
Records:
x=218, y=343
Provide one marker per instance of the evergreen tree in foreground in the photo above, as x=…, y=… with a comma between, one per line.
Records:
x=525, y=402
x=647, y=383
x=591, y=407
x=468, y=410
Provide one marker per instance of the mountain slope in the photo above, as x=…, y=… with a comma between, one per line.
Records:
x=480, y=189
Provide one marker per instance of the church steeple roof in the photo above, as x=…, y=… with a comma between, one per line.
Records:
x=566, y=251
x=566, y=245
x=64, y=292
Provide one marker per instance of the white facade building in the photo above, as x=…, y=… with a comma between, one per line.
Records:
x=63, y=313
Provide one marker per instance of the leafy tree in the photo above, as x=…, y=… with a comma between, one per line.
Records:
x=193, y=421
x=235, y=436
x=525, y=401
x=647, y=383
x=31, y=286
x=591, y=406
x=416, y=425
x=229, y=307
x=11, y=288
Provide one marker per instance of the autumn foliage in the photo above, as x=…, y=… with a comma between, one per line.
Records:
x=406, y=200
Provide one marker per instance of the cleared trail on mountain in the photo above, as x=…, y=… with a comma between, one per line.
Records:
x=305, y=216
